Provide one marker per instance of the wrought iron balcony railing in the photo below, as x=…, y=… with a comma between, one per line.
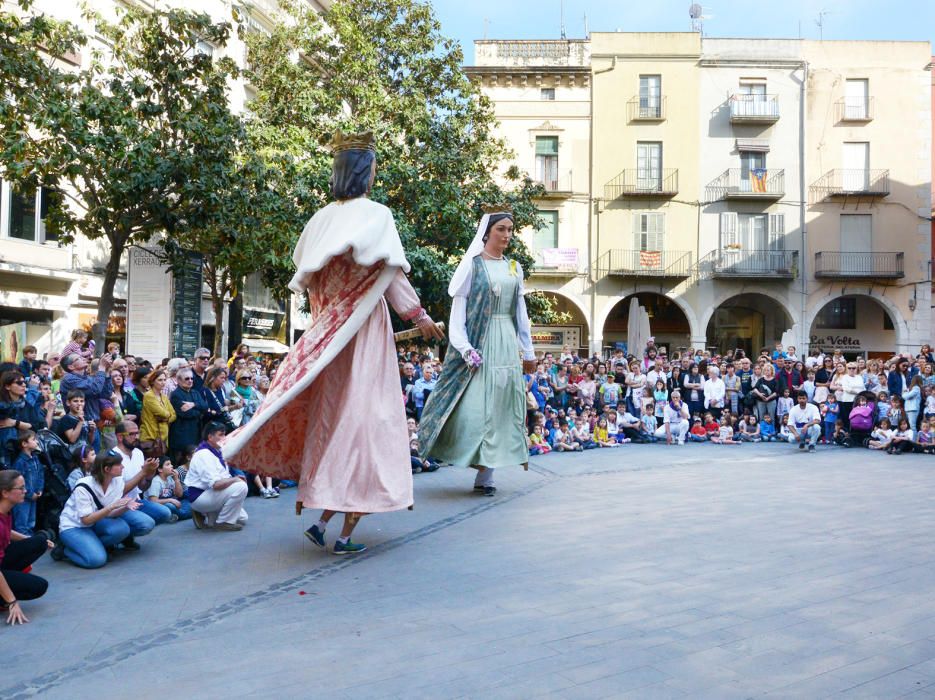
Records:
x=752, y=109
x=843, y=265
x=854, y=109
x=737, y=183
x=845, y=182
x=557, y=184
x=740, y=263
x=651, y=109
x=637, y=182
x=645, y=263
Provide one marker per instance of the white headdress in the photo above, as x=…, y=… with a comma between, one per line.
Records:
x=461, y=280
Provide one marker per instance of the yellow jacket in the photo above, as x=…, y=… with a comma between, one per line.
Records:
x=157, y=415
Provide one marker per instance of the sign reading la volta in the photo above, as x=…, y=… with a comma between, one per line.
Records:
x=844, y=342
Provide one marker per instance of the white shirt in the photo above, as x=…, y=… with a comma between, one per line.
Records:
x=799, y=416
x=850, y=387
x=132, y=465
x=714, y=391
x=205, y=469
x=652, y=376
x=80, y=504
x=672, y=416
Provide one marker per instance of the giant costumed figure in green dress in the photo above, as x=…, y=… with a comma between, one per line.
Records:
x=476, y=414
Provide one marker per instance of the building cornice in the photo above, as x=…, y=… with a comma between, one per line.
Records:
x=550, y=70
x=711, y=62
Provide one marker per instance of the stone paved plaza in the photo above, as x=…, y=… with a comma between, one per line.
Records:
x=644, y=572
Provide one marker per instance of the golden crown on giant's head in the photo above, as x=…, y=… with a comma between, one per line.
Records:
x=502, y=208
x=363, y=141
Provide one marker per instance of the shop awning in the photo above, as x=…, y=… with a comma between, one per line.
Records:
x=267, y=345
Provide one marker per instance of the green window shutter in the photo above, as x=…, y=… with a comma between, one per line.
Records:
x=547, y=145
x=547, y=235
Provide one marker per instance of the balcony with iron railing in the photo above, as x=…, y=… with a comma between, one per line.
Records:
x=647, y=109
x=846, y=182
x=754, y=109
x=833, y=264
x=637, y=182
x=854, y=109
x=737, y=183
x=558, y=184
x=645, y=263
x=736, y=263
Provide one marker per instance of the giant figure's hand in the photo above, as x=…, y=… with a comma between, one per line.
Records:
x=429, y=330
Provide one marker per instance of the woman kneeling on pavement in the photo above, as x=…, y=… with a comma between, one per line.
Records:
x=216, y=496
x=99, y=515
x=17, y=552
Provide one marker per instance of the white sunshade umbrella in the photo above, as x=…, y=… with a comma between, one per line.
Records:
x=635, y=343
x=645, y=332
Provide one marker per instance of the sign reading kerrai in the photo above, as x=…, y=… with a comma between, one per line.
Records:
x=149, y=306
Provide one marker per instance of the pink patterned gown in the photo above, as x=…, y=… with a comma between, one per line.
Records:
x=343, y=437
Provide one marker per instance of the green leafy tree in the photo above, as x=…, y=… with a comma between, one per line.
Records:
x=249, y=223
x=137, y=142
x=384, y=65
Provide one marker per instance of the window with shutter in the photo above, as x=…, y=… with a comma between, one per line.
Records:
x=546, y=236
x=729, y=235
x=649, y=231
x=777, y=231
x=547, y=161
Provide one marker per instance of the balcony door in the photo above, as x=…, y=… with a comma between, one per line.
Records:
x=752, y=172
x=754, y=102
x=856, y=162
x=649, y=166
x=856, y=97
x=856, y=242
x=650, y=96
x=547, y=162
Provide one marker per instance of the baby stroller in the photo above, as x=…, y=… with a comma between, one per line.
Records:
x=55, y=456
x=861, y=421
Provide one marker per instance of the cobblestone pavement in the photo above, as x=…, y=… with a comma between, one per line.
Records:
x=645, y=572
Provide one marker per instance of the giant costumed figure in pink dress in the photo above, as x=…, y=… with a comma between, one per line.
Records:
x=333, y=419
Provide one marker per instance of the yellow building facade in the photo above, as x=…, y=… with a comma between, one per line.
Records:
x=746, y=191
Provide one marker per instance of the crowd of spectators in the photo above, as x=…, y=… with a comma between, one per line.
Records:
x=579, y=403
x=140, y=445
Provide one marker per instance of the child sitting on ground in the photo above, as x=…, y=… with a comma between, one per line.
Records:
x=601, y=436
x=750, y=430
x=840, y=435
x=167, y=489
x=563, y=441
x=925, y=438
x=711, y=426
x=881, y=438
x=725, y=434
x=767, y=429
x=538, y=445
x=697, y=433
x=784, y=432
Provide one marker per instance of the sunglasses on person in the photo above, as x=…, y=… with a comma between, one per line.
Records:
x=21, y=382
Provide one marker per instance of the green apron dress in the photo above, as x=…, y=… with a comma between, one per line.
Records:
x=487, y=427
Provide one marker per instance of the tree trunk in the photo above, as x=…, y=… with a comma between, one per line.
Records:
x=106, y=304
x=215, y=284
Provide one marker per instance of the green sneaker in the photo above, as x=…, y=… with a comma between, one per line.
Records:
x=348, y=548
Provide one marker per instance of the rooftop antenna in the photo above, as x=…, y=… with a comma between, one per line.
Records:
x=695, y=11
x=587, y=33
x=563, y=19
x=821, y=23
x=486, y=26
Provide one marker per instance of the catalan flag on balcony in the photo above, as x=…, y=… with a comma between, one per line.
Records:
x=651, y=259
x=758, y=180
